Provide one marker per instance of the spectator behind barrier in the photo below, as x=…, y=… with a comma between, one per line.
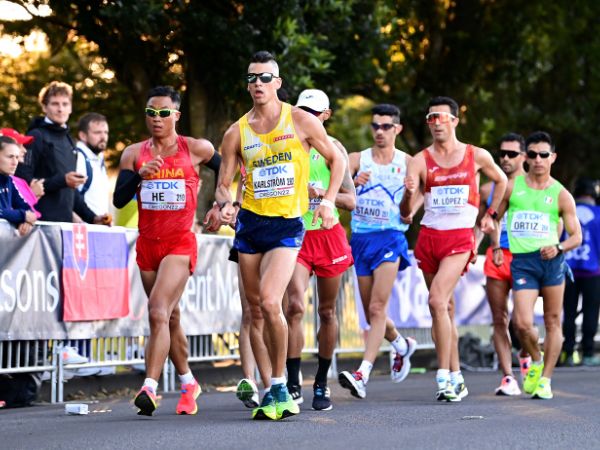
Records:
x=52, y=157
x=13, y=208
x=30, y=192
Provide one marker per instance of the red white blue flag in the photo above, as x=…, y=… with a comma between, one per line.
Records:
x=94, y=274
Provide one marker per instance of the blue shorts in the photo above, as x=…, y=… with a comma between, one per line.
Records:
x=260, y=234
x=370, y=250
x=530, y=271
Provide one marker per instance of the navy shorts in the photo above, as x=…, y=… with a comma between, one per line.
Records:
x=530, y=271
x=370, y=250
x=260, y=234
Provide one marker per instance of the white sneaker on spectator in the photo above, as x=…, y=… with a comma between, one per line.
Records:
x=86, y=371
x=106, y=370
x=70, y=356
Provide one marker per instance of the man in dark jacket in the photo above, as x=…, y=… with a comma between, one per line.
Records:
x=52, y=156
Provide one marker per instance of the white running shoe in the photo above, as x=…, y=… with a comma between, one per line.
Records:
x=508, y=387
x=354, y=382
x=71, y=356
x=401, y=363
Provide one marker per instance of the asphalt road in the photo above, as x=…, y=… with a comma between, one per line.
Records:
x=395, y=416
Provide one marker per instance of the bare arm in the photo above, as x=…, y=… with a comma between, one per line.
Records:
x=415, y=170
x=484, y=160
x=346, y=197
x=230, y=154
x=568, y=212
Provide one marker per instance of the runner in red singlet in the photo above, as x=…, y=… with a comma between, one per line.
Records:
x=447, y=172
x=163, y=172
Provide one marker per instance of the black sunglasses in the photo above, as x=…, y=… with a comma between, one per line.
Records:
x=151, y=112
x=383, y=126
x=265, y=77
x=533, y=155
x=510, y=153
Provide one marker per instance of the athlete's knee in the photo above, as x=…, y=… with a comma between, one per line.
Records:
x=523, y=325
x=552, y=322
x=377, y=310
x=500, y=319
x=271, y=308
x=295, y=310
x=438, y=305
x=158, y=316
x=327, y=315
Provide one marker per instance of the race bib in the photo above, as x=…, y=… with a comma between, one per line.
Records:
x=449, y=199
x=163, y=195
x=373, y=210
x=313, y=203
x=273, y=181
x=530, y=225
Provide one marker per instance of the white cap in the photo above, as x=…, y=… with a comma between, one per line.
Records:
x=314, y=99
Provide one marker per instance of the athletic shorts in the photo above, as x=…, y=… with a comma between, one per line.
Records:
x=491, y=270
x=370, y=250
x=326, y=253
x=150, y=252
x=434, y=245
x=530, y=271
x=260, y=234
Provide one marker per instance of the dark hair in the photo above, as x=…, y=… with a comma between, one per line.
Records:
x=84, y=122
x=586, y=186
x=165, y=91
x=539, y=136
x=54, y=88
x=513, y=137
x=5, y=140
x=450, y=102
x=264, y=56
x=385, y=109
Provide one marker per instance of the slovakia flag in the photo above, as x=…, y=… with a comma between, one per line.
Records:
x=94, y=274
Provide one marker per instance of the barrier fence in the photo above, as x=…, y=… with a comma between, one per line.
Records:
x=44, y=274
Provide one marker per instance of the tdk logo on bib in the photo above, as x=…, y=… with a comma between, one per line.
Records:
x=275, y=170
x=162, y=185
x=451, y=190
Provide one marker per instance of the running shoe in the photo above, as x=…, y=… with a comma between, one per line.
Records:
x=446, y=393
x=461, y=391
x=247, y=392
x=590, y=361
x=187, y=401
x=353, y=381
x=266, y=410
x=524, y=363
x=295, y=391
x=543, y=390
x=509, y=387
x=145, y=400
x=321, y=398
x=401, y=363
x=533, y=377
x=285, y=405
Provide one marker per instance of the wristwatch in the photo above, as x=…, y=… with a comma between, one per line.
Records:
x=560, y=248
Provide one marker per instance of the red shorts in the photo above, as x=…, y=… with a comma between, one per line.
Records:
x=501, y=273
x=150, y=252
x=434, y=245
x=326, y=252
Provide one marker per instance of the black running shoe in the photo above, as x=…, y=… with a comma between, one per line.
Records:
x=321, y=398
x=295, y=391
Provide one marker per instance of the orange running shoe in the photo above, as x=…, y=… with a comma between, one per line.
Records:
x=187, y=402
x=145, y=400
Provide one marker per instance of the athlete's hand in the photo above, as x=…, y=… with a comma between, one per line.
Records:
x=407, y=220
x=410, y=184
x=228, y=213
x=314, y=192
x=473, y=259
x=361, y=178
x=487, y=224
x=151, y=167
x=498, y=257
x=212, y=220
x=325, y=213
x=549, y=252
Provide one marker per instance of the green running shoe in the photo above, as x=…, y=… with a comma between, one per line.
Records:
x=543, y=389
x=533, y=377
x=266, y=410
x=284, y=403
